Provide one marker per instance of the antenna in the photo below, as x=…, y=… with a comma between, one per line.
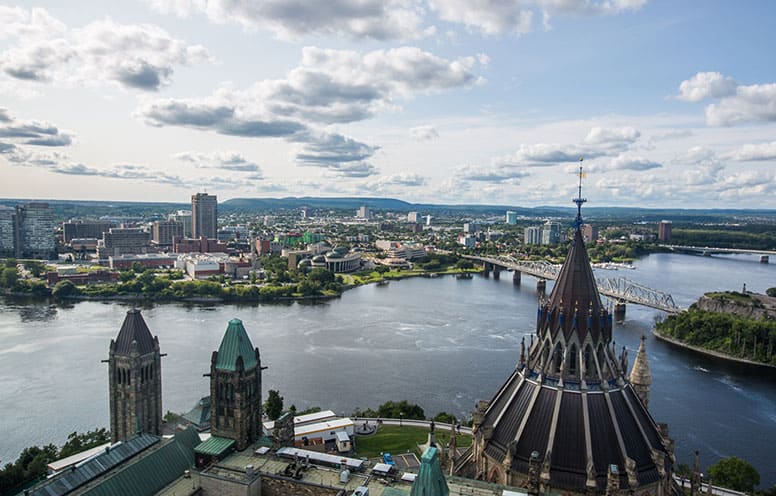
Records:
x=579, y=200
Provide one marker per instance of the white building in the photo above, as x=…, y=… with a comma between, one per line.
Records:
x=413, y=217
x=510, y=218
x=363, y=213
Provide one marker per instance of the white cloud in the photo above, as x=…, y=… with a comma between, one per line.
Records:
x=614, y=137
x=754, y=103
x=492, y=17
x=695, y=155
x=749, y=152
x=705, y=85
x=288, y=19
x=221, y=159
x=43, y=49
x=424, y=133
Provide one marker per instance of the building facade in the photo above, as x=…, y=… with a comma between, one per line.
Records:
x=235, y=388
x=184, y=217
x=135, y=380
x=163, y=232
x=533, y=235
x=7, y=219
x=589, y=233
x=204, y=216
x=124, y=241
x=664, y=230
x=510, y=218
x=32, y=231
x=84, y=229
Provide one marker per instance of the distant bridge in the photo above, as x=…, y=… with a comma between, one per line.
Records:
x=707, y=250
x=620, y=289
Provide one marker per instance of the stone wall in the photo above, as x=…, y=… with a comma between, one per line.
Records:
x=281, y=487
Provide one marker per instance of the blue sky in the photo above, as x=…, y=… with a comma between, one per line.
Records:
x=442, y=101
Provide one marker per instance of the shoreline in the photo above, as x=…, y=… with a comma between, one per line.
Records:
x=707, y=352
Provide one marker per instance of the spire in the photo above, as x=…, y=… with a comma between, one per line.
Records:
x=640, y=376
x=134, y=333
x=579, y=200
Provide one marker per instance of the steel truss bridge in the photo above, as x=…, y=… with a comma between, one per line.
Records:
x=620, y=289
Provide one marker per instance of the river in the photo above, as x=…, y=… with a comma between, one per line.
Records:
x=442, y=343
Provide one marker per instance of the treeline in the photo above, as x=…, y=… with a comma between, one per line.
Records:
x=31, y=464
x=149, y=285
x=752, y=237
x=736, y=336
x=605, y=252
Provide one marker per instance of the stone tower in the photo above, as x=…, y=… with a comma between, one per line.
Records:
x=235, y=388
x=135, y=380
x=640, y=376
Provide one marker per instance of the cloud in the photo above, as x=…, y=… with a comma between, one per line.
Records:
x=31, y=132
x=424, y=133
x=750, y=153
x=754, y=103
x=224, y=160
x=492, y=17
x=612, y=137
x=695, y=155
x=633, y=163
x=137, y=56
x=737, y=103
x=705, y=85
x=340, y=154
x=546, y=155
x=288, y=19
x=491, y=174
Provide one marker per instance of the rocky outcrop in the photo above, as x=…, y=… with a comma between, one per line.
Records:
x=749, y=305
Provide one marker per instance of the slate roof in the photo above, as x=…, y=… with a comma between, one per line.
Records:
x=134, y=328
x=215, y=446
x=234, y=344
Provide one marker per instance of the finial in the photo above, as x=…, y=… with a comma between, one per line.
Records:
x=579, y=200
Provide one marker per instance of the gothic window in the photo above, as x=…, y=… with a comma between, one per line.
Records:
x=558, y=359
x=589, y=365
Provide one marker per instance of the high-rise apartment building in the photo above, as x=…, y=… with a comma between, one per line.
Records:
x=533, y=235
x=33, y=231
x=413, y=217
x=204, y=216
x=363, y=213
x=664, y=230
x=184, y=217
x=510, y=218
x=589, y=233
x=7, y=219
x=551, y=233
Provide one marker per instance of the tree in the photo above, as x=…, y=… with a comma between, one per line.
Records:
x=9, y=277
x=735, y=473
x=401, y=409
x=273, y=407
x=445, y=418
x=771, y=291
x=77, y=443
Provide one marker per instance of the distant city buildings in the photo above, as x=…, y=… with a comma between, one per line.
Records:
x=84, y=229
x=363, y=213
x=413, y=217
x=163, y=231
x=27, y=231
x=471, y=227
x=184, y=217
x=204, y=216
x=589, y=233
x=664, y=230
x=551, y=233
x=398, y=249
x=123, y=241
x=510, y=218
x=533, y=235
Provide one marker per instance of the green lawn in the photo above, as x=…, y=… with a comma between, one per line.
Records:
x=395, y=439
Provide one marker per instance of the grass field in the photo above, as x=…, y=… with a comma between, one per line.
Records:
x=395, y=439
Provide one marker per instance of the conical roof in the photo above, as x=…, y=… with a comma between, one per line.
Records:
x=430, y=480
x=576, y=293
x=134, y=328
x=234, y=344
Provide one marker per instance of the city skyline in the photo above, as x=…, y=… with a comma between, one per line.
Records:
x=436, y=101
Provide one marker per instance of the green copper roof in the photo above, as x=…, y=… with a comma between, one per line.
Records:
x=215, y=446
x=236, y=343
x=430, y=480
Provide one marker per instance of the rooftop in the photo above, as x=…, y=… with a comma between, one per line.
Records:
x=234, y=345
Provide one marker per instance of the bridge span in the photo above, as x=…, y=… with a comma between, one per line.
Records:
x=708, y=251
x=620, y=289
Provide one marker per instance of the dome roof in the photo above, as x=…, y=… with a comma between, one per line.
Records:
x=568, y=407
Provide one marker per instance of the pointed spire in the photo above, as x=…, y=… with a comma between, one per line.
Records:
x=640, y=375
x=430, y=480
x=235, y=346
x=134, y=335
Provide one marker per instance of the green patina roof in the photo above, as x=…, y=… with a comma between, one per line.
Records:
x=430, y=481
x=149, y=474
x=215, y=446
x=236, y=343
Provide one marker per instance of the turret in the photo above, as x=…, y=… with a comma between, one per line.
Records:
x=640, y=376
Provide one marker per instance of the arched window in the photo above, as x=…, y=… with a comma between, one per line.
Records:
x=558, y=359
x=588, y=358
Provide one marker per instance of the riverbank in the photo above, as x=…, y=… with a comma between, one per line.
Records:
x=707, y=352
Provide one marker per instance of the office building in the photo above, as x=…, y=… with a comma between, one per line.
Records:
x=33, y=231
x=533, y=235
x=363, y=213
x=7, y=219
x=204, y=216
x=551, y=233
x=413, y=217
x=84, y=229
x=589, y=233
x=164, y=231
x=184, y=217
x=123, y=241
x=510, y=218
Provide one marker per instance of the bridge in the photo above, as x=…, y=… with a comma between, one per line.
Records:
x=620, y=289
x=708, y=251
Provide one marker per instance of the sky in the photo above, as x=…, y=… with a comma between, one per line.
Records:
x=668, y=104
